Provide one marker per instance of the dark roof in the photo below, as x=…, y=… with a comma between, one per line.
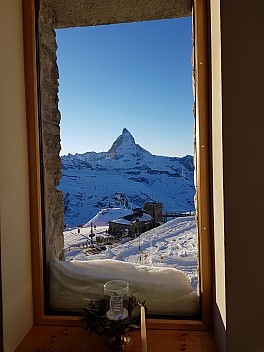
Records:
x=140, y=214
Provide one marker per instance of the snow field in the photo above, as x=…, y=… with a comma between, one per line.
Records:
x=160, y=266
x=171, y=245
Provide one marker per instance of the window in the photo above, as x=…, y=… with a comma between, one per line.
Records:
x=52, y=215
x=129, y=75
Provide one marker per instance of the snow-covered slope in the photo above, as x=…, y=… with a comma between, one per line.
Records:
x=160, y=265
x=125, y=176
x=173, y=244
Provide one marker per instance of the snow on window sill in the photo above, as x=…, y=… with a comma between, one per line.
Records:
x=167, y=291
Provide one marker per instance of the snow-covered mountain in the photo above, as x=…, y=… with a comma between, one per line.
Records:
x=125, y=176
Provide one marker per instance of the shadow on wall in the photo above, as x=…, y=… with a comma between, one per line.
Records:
x=220, y=328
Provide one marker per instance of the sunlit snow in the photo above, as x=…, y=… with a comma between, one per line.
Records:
x=160, y=266
x=172, y=245
x=167, y=291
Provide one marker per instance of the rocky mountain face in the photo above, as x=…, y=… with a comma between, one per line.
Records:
x=125, y=176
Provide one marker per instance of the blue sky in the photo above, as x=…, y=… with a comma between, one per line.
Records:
x=134, y=75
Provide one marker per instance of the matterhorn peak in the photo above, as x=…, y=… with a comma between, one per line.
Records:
x=125, y=130
x=127, y=135
x=123, y=145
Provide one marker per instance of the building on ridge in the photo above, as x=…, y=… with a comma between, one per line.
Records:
x=140, y=221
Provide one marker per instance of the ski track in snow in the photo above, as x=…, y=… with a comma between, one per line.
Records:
x=173, y=244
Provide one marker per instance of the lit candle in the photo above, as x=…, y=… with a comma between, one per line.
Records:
x=143, y=331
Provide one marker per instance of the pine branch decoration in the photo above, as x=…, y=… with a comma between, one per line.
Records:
x=95, y=319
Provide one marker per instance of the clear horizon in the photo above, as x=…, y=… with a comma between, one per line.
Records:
x=136, y=76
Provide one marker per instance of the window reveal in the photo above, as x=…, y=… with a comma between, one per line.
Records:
x=48, y=118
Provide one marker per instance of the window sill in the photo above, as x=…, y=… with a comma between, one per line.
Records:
x=76, y=339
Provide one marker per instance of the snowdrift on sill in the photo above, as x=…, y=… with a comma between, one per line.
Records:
x=167, y=291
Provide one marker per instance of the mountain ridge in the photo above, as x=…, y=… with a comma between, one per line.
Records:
x=126, y=175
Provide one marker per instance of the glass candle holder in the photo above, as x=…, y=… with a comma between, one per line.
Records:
x=118, y=291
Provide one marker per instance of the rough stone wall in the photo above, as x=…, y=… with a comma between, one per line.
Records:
x=50, y=117
x=154, y=210
x=78, y=13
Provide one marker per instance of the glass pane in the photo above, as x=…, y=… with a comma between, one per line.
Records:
x=125, y=97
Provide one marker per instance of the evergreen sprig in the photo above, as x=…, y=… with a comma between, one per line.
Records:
x=95, y=319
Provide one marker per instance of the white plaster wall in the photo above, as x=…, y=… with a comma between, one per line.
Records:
x=218, y=196
x=14, y=199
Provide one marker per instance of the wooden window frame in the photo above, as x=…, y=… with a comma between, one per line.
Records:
x=203, y=174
